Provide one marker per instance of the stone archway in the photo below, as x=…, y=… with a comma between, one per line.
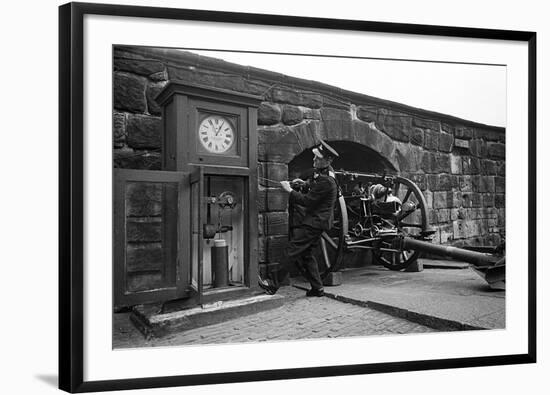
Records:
x=283, y=149
x=353, y=157
x=281, y=144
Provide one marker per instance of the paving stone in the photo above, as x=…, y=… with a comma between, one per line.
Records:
x=299, y=318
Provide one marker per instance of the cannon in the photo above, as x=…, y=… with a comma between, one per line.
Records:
x=394, y=226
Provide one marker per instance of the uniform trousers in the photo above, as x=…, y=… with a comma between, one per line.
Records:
x=303, y=240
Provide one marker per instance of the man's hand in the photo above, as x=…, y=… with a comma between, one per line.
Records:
x=286, y=186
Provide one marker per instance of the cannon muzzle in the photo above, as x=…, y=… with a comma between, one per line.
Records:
x=488, y=266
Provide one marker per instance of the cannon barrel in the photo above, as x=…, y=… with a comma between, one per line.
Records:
x=491, y=268
x=473, y=257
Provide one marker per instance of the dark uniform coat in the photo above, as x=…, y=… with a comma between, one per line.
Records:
x=318, y=203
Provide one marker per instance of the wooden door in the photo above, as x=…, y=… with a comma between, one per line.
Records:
x=149, y=236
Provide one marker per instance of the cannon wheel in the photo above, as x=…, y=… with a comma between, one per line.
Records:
x=412, y=224
x=332, y=243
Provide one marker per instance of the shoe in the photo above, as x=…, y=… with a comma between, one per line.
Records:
x=315, y=292
x=267, y=286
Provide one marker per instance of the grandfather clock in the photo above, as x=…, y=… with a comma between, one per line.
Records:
x=210, y=135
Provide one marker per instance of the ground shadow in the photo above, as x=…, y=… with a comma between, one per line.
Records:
x=51, y=379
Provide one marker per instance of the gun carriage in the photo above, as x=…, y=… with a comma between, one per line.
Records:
x=394, y=227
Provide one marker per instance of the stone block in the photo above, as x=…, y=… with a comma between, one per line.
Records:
x=371, y=137
x=464, y=229
x=447, y=128
x=367, y=113
x=490, y=135
x=129, y=93
x=483, y=184
x=432, y=181
x=261, y=199
x=446, y=233
x=496, y=150
x=501, y=169
x=454, y=214
x=461, y=143
x=500, y=200
x=465, y=183
x=436, y=163
x=429, y=196
x=119, y=129
x=292, y=115
x=446, y=142
x=442, y=200
x=471, y=165
x=419, y=180
x=394, y=124
x=444, y=182
x=307, y=133
x=471, y=199
x=488, y=199
x=443, y=162
x=455, y=182
x=130, y=159
x=415, y=266
x=431, y=140
x=269, y=114
x=478, y=148
x=160, y=76
x=456, y=164
x=439, y=182
x=501, y=216
x=333, y=279
x=488, y=167
x=273, y=172
x=276, y=223
x=500, y=184
x=334, y=114
x=426, y=124
x=138, y=66
x=152, y=91
x=408, y=156
x=443, y=215
x=462, y=132
x=337, y=129
x=298, y=98
x=277, y=144
x=276, y=199
x=261, y=225
x=417, y=136
x=143, y=131
x=311, y=113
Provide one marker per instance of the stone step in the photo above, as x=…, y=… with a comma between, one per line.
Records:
x=151, y=323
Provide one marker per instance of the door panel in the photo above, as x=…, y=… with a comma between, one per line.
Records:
x=148, y=243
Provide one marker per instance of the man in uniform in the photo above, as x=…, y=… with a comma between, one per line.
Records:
x=318, y=204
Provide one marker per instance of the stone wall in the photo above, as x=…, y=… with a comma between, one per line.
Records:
x=458, y=164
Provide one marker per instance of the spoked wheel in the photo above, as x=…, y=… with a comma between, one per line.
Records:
x=332, y=243
x=412, y=222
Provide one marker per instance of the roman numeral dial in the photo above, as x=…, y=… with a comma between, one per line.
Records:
x=216, y=134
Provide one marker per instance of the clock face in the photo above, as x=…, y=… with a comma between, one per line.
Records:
x=216, y=134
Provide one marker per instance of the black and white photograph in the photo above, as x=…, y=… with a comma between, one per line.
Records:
x=258, y=197
x=268, y=197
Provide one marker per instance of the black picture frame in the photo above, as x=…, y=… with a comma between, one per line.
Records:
x=71, y=195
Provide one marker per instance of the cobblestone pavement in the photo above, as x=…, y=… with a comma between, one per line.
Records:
x=299, y=318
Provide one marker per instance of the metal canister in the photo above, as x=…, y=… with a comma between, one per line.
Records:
x=220, y=260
